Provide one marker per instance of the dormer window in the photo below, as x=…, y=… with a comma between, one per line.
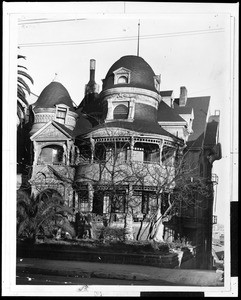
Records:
x=122, y=76
x=123, y=79
x=61, y=113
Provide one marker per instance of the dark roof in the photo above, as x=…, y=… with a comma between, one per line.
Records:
x=139, y=126
x=66, y=129
x=91, y=104
x=200, y=107
x=167, y=114
x=52, y=94
x=142, y=75
x=211, y=131
x=166, y=93
x=182, y=109
x=82, y=124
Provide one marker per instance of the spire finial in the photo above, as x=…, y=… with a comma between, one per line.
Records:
x=138, y=38
x=55, y=76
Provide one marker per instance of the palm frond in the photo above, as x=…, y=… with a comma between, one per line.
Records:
x=19, y=66
x=21, y=56
x=21, y=81
x=23, y=73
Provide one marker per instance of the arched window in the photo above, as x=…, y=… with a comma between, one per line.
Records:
x=52, y=154
x=121, y=112
x=122, y=79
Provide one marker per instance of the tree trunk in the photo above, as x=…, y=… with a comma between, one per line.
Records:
x=158, y=235
x=128, y=226
x=157, y=228
x=140, y=228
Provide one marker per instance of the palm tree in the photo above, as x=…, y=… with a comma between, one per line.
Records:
x=42, y=215
x=22, y=86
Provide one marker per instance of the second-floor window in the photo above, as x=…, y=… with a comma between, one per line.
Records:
x=52, y=154
x=121, y=112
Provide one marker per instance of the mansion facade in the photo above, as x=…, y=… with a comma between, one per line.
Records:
x=111, y=154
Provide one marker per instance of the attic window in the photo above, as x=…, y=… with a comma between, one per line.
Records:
x=61, y=113
x=122, y=79
x=122, y=76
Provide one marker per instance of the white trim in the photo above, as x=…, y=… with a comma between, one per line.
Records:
x=128, y=132
x=45, y=126
x=130, y=90
x=172, y=123
x=122, y=72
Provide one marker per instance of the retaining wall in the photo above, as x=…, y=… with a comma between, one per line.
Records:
x=60, y=252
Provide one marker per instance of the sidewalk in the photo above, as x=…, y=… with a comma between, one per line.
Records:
x=116, y=271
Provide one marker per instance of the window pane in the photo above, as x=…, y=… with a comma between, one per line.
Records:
x=122, y=79
x=118, y=203
x=98, y=202
x=121, y=112
x=51, y=155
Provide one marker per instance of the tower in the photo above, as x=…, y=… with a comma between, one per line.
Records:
x=53, y=142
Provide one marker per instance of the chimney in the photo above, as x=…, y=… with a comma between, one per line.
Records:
x=92, y=87
x=183, y=96
x=92, y=70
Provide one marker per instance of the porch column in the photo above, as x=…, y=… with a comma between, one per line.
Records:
x=128, y=223
x=92, y=145
x=161, y=148
x=91, y=196
x=37, y=150
x=132, y=142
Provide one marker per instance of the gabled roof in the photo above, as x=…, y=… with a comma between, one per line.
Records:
x=82, y=124
x=200, y=107
x=63, y=129
x=182, y=109
x=167, y=114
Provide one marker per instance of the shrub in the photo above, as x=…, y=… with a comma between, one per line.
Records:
x=179, y=244
x=110, y=233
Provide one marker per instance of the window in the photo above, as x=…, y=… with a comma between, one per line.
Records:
x=164, y=202
x=145, y=203
x=152, y=155
x=83, y=199
x=61, y=115
x=118, y=202
x=167, y=154
x=98, y=201
x=121, y=112
x=100, y=152
x=122, y=76
x=122, y=79
x=52, y=154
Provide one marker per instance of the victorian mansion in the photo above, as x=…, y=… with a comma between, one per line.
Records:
x=112, y=147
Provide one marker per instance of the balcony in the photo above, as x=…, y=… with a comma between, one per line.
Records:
x=148, y=174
